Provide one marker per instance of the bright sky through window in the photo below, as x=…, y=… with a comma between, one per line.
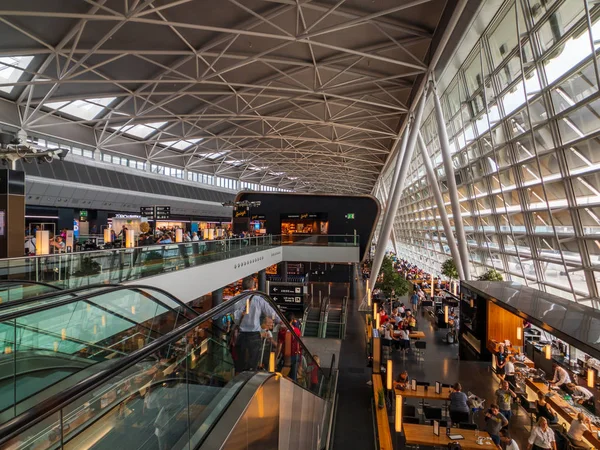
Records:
x=82, y=109
x=11, y=69
x=141, y=131
x=181, y=145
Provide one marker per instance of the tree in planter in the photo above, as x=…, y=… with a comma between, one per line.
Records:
x=491, y=275
x=389, y=280
x=449, y=269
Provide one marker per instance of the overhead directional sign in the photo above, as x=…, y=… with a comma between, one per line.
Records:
x=288, y=296
x=286, y=290
x=162, y=212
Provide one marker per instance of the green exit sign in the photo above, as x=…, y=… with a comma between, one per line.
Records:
x=350, y=216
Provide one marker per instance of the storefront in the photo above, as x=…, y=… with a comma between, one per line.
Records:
x=304, y=223
x=258, y=223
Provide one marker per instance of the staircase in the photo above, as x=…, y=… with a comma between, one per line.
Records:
x=334, y=320
x=311, y=327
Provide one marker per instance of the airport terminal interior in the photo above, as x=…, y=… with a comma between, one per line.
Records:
x=299, y=224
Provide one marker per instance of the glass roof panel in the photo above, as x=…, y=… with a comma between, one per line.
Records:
x=142, y=130
x=11, y=70
x=82, y=109
x=181, y=145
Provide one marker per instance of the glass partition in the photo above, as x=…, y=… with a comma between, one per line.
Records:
x=175, y=390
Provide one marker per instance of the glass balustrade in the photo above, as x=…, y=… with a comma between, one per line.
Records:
x=72, y=270
x=173, y=391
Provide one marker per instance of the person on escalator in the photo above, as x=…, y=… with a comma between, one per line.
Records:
x=249, y=341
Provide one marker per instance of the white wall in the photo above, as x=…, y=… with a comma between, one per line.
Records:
x=322, y=254
x=189, y=284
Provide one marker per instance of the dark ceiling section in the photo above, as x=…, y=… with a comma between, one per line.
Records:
x=335, y=208
x=306, y=96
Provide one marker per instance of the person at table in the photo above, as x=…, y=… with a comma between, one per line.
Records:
x=459, y=407
x=500, y=360
x=583, y=396
x=403, y=380
x=494, y=422
x=504, y=397
x=544, y=409
x=541, y=437
x=404, y=339
x=506, y=441
x=576, y=430
x=509, y=370
x=561, y=376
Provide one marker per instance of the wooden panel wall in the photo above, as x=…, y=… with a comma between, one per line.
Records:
x=502, y=325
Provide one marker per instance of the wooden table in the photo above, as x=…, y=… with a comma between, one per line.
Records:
x=562, y=408
x=428, y=394
x=423, y=435
x=412, y=335
x=381, y=415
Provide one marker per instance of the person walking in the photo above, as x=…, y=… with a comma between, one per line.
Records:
x=249, y=341
x=504, y=396
x=494, y=422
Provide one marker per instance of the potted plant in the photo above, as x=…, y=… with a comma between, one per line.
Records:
x=491, y=275
x=449, y=269
x=389, y=280
x=380, y=399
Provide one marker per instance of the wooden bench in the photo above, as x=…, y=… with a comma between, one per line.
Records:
x=384, y=435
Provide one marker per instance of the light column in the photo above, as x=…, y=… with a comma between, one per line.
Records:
x=439, y=200
x=451, y=181
x=410, y=138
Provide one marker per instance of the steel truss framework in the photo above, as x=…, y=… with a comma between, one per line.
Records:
x=306, y=95
x=523, y=119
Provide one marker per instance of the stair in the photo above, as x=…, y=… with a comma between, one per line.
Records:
x=311, y=328
x=334, y=327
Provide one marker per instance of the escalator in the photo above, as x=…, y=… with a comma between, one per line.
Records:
x=181, y=391
x=53, y=341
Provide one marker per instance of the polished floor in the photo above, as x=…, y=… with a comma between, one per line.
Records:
x=354, y=423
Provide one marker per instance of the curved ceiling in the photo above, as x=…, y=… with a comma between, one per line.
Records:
x=299, y=94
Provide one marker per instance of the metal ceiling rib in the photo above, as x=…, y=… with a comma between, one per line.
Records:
x=297, y=93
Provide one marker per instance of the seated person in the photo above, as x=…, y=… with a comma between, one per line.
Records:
x=403, y=380
x=576, y=430
x=545, y=410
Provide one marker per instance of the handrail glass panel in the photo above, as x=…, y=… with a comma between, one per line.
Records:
x=174, y=391
x=57, y=346
x=71, y=270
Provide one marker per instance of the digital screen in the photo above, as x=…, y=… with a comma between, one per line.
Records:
x=257, y=226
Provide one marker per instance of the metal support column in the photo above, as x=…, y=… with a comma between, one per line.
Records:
x=386, y=199
x=354, y=274
x=262, y=280
x=451, y=181
x=284, y=271
x=411, y=139
x=217, y=297
x=439, y=200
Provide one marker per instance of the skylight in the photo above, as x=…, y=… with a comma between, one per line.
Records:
x=141, y=131
x=82, y=109
x=216, y=155
x=235, y=162
x=12, y=74
x=181, y=145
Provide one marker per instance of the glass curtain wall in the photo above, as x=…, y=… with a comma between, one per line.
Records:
x=523, y=118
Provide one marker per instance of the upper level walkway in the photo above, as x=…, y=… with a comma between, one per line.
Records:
x=188, y=270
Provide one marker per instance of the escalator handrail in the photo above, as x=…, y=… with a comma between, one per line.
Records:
x=65, y=301
x=44, y=409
